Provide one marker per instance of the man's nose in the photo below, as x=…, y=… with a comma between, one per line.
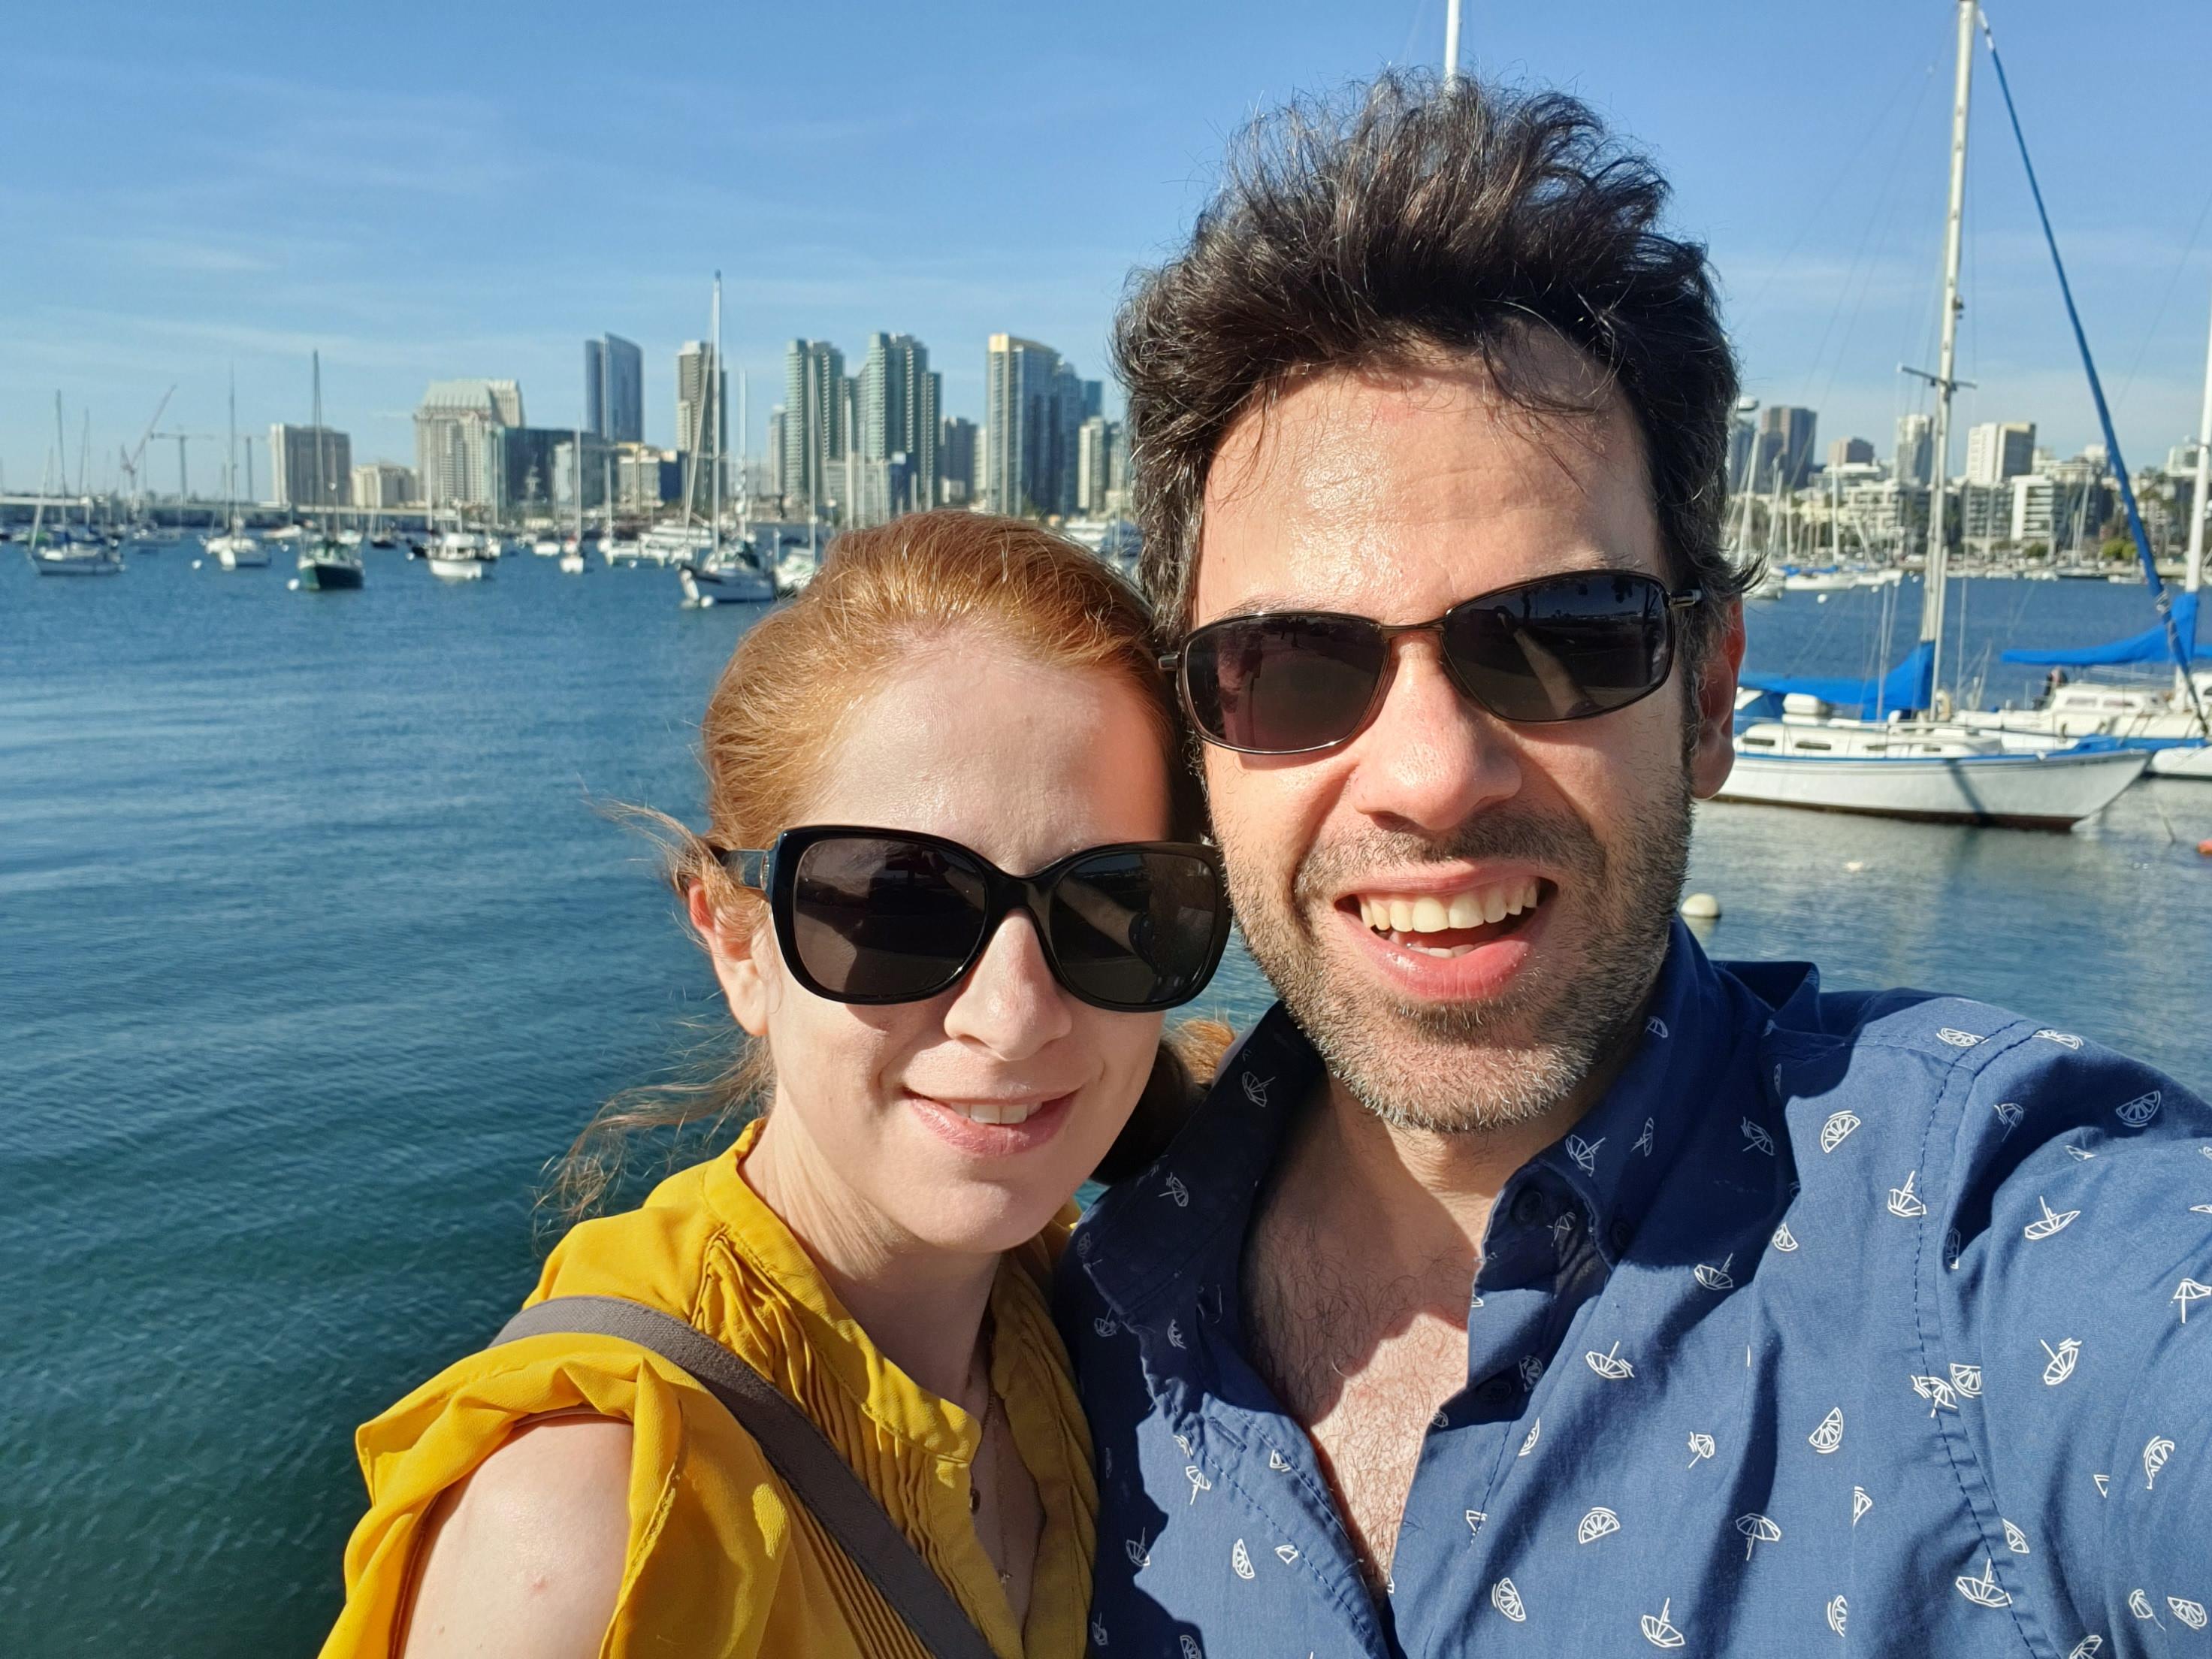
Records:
x=1431, y=759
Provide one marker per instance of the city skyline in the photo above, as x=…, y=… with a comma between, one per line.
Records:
x=170, y=244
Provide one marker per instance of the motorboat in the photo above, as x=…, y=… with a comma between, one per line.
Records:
x=458, y=555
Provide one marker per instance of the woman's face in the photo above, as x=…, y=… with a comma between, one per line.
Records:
x=892, y=1107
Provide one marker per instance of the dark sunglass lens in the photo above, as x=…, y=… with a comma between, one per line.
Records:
x=1563, y=649
x=884, y=918
x=1136, y=929
x=1281, y=684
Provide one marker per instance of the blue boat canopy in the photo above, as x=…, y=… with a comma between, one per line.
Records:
x=1908, y=685
x=2149, y=645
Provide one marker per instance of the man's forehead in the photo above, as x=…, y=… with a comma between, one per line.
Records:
x=1431, y=479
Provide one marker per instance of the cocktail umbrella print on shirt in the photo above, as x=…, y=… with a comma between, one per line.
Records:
x=1905, y=1203
x=2188, y=1290
x=2054, y=1221
x=1757, y=1529
x=1658, y=1629
x=1984, y=1591
x=1701, y=1447
x=1610, y=1366
x=1714, y=1279
x=2064, y=1358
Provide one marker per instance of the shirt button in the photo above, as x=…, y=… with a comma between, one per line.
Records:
x=1529, y=1209
x=1497, y=1390
x=1620, y=1233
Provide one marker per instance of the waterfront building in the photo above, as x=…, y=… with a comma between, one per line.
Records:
x=647, y=478
x=1887, y=514
x=702, y=406
x=955, y=460
x=614, y=390
x=1785, y=446
x=1743, y=441
x=524, y=468
x=455, y=428
x=595, y=475
x=1985, y=514
x=814, y=433
x=309, y=466
x=1034, y=415
x=1998, y=451
x=897, y=409
x=1916, y=450
x=381, y=485
x=1101, y=469
x=1850, y=452
x=2061, y=509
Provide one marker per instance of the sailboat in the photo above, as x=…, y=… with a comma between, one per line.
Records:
x=326, y=565
x=231, y=547
x=736, y=579
x=573, y=562
x=59, y=551
x=1793, y=747
x=2167, y=720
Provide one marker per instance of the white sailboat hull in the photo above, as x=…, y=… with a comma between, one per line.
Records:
x=2192, y=761
x=239, y=553
x=466, y=568
x=2054, y=789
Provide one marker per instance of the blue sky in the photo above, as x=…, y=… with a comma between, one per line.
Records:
x=423, y=190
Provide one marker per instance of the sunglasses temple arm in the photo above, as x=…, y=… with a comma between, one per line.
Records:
x=748, y=865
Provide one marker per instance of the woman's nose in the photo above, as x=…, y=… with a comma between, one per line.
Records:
x=1010, y=1004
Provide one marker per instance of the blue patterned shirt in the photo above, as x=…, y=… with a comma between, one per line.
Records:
x=1873, y=1322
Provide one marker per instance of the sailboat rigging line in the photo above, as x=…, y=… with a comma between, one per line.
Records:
x=2160, y=598
x=2172, y=281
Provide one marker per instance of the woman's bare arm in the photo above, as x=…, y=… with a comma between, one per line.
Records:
x=526, y=1557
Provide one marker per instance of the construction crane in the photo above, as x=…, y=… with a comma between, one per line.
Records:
x=184, y=489
x=131, y=458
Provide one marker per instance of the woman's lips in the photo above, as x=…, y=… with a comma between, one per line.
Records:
x=993, y=1129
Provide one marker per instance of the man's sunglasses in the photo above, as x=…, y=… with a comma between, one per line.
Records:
x=886, y=915
x=1561, y=648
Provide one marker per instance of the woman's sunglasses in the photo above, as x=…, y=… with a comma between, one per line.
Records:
x=886, y=915
x=1562, y=648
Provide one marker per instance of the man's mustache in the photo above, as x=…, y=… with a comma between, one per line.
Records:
x=1553, y=842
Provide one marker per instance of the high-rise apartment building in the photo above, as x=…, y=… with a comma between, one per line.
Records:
x=456, y=428
x=1785, y=446
x=955, y=460
x=312, y=466
x=1101, y=468
x=898, y=413
x=1999, y=451
x=1743, y=445
x=702, y=400
x=1916, y=449
x=814, y=433
x=380, y=484
x=1850, y=452
x=1028, y=463
x=614, y=390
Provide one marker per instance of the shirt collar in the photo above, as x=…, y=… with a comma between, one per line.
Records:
x=1189, y=1212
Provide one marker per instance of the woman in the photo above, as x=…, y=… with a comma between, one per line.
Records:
x=947, y=1051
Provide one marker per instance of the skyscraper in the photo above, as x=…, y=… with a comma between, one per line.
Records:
x=455, y=434
x=1916, y=449
x=814, y=433
x=898, y=397
x=614, y=390
x=701, y=415
x=1850, y=452
x=2000, y=450
x=1785, y=445
x=955, y=460
x=304, y=476
x=1031, y=442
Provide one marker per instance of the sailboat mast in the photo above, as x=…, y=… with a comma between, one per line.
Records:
x=1931, y=608
x=2194, y=579
x=714, y=405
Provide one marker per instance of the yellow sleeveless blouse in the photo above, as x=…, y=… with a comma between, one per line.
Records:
x=722, y=1559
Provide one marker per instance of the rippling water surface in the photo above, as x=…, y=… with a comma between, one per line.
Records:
x=313, y=949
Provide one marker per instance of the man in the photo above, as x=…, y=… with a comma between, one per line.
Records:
x=1530, y=1283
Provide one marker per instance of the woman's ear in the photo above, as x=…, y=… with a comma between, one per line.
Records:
x=745, y=979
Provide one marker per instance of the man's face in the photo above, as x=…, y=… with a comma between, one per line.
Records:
x=1396, y=495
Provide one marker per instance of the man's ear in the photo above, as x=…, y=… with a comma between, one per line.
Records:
x=1712, y=751
x=746, y=979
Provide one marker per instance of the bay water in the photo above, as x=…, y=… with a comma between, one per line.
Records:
x=316, y=946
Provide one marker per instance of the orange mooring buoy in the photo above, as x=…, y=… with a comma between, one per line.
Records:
x=2205, y=846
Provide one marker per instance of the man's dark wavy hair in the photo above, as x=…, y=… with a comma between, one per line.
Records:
x=1417, y=218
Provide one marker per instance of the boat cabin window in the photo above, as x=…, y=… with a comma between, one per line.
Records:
x=1758, y=743
x=1813, y=743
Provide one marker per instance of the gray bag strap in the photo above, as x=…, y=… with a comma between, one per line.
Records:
x=798, y=1451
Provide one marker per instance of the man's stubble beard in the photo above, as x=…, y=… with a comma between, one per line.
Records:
x=1453, y=1070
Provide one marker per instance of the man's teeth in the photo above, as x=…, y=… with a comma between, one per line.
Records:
x=983, y=1111
x=1433, y=913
